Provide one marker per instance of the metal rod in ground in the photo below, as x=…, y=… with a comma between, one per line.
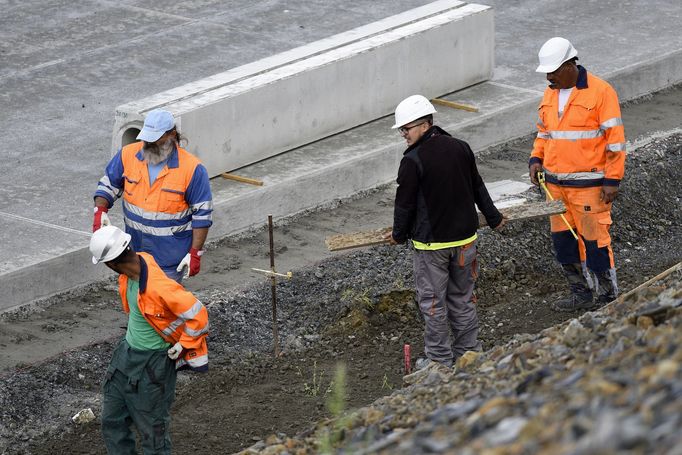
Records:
x=273, y=287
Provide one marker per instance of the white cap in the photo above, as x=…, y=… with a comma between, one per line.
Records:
x=156, y=123
x=412, y=108
x=107, y=243
x=553, y=53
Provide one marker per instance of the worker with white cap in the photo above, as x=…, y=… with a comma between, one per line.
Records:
x=167, y=202
x=167, y=330
x=580, y=153
x=439, y=188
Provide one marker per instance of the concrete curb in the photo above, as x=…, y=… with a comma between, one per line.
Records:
x=236, y=121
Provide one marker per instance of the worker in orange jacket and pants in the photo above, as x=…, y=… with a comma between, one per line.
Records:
x=167, y=329
x=580, y=147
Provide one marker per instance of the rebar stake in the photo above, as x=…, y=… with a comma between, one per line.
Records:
x=273, y=287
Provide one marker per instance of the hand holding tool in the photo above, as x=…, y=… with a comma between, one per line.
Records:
x=534, y=170
x=541, y=181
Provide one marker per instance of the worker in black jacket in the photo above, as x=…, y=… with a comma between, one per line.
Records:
x=439, y=188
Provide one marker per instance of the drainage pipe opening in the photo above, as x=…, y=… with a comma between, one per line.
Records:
x=129, y=136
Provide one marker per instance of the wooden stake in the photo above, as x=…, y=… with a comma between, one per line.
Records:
x=239, y=178
x=648, y=283
x=287, y=275
x=273, y=287
x=455, y=105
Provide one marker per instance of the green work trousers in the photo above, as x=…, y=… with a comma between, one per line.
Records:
x=139, y=389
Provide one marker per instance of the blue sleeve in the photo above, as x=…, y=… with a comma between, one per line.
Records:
x=110, y=186
x=199, y=199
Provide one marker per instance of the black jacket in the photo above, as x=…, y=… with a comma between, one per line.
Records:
x=438, y=185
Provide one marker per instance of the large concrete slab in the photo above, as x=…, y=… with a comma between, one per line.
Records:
x=264, y=108
x=60, y=82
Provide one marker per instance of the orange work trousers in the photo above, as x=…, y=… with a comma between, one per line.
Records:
x=590, y=218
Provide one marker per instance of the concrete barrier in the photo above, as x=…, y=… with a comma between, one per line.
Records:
x=276, y=104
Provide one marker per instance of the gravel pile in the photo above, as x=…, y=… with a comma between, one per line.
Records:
x=607, y=381
x=590, y=378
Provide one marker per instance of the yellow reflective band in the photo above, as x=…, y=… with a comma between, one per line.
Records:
x=442, y=245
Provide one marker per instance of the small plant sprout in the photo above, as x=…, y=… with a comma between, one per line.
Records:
x=386, y=384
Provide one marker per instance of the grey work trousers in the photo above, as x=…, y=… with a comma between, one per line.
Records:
x=445, y=293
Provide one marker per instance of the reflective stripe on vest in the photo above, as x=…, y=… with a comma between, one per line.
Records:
x=157, y=231
x=154, y=216
x=610, y=123
x=620, y=147
x=105, y=185
x=574, y=135
x=193, y=362
x=574, y=175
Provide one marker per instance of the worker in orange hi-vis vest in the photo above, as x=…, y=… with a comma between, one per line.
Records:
x=167, y=329
x=166, y=196
x=580, y=153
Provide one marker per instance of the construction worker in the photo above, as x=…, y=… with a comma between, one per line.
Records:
x=167, y=204
x=167, y=329
x=580, y=148
x=439, y=188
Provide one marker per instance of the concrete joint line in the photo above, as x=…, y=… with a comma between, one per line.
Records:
x=79, y=55
x=514, y=87
x=44, y=224
x=188, y=20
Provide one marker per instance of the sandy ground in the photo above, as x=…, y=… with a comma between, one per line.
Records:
x=353, y=307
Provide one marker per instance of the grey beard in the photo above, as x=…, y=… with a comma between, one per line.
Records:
x=156, y=154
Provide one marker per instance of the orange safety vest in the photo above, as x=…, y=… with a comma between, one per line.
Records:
x=158, y=216
x=586, y=146
x=173, y=312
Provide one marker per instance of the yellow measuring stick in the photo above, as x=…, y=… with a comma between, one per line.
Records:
x=455, y=105
x=541, y=180
x=271, y=273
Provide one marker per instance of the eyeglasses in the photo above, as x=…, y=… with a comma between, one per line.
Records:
x=406, y=129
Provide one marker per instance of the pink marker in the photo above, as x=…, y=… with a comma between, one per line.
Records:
x=408, y=362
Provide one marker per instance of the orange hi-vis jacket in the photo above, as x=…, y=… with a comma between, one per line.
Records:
x=173, y=312
x=586, y=146
x=159, y=216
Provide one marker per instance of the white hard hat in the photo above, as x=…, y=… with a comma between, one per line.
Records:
x=412, y=108
x=107, y=243
x=553, y=53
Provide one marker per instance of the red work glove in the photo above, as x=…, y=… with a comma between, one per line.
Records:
x=101, y=218
x=191, y=262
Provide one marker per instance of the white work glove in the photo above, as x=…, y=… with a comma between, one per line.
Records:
x=174, y=352
x=191, y=262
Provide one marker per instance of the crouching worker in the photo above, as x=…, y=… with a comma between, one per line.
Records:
x=167, y=329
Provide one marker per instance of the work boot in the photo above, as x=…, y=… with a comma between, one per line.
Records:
x=581, y=295
x=422, y=363
x=607, y=286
